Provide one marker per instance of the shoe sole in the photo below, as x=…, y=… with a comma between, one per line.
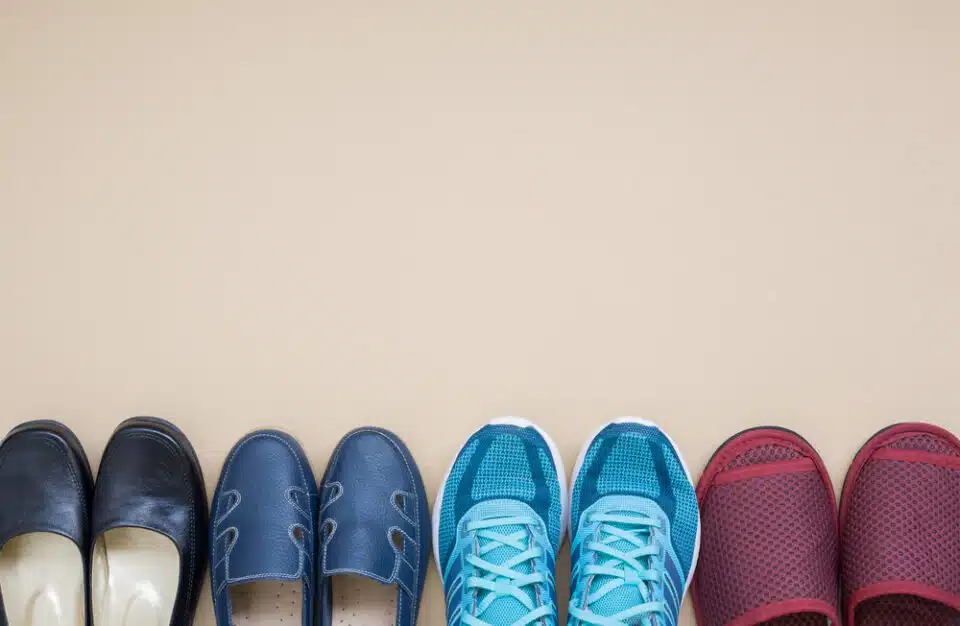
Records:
x=557, y=464
x=683, y=463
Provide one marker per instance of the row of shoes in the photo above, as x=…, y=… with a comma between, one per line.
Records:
x=758, y=542
x=132, y=548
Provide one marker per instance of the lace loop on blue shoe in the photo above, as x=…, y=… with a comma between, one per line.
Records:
x=629, y=543
x=504, y=580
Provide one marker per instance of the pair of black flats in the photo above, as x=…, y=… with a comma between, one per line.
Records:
x=129, y=550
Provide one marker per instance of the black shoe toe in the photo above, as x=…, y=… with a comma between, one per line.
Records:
x=150, y=481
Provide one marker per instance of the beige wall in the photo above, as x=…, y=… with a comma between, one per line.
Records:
x=322, y=215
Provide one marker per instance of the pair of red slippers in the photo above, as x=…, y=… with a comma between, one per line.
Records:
x=775, y=553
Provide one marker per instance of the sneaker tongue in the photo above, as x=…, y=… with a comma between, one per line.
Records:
x=621, y=598
x=507, y=609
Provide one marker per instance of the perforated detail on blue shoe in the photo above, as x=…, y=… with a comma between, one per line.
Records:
x=501, y=462
x=629, y=468
x=687, y=514
x=555, y=521
x=504, y=472
x=588, y=461
x=448, y=523
x=636, y=459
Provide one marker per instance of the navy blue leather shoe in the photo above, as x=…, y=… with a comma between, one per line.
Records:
x=46, y=490
x=374, y=521
x=262, y=533
x=148, y=520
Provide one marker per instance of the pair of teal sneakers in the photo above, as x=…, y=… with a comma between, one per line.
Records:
x=503, y=510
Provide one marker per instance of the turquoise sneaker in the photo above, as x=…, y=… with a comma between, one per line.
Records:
x=634, y=528
x=498, y=521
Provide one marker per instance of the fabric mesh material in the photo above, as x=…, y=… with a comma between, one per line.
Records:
x=902, y=526
x=493, y=477
x=555, y=521
x=629, y=466
x=900, y=610
x=588, y=460
x=766, y=453
x=504, y=471
x=687, y=515
x=926, y=442
x=448, y=525
x=765, y=540
x=630, y=469
x=549, y=511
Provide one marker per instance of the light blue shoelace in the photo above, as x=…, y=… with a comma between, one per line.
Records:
x=616, y=568
x=503, y=580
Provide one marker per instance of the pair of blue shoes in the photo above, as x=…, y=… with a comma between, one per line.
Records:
x=503, y=511
x=271, y=522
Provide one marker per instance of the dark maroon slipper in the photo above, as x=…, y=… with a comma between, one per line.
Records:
x=900, y=529
x=769, y=545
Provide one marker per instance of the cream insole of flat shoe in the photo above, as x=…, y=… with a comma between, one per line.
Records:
x=357, y=601
x=41, y=578
x=134, y=578
x=267, y=602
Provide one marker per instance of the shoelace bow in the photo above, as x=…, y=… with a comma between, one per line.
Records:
x=503, y=580
x=620, y=568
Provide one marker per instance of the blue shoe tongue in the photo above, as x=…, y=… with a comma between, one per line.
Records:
x=506, y=609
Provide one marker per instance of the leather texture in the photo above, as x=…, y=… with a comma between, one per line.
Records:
x=374, y=519
x=264, y=515
x=150, y=478
x=46, y=486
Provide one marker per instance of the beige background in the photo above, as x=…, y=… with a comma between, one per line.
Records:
x=425, y=214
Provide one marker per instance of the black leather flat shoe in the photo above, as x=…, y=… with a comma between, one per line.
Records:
x=45, y=488
x=149, y=528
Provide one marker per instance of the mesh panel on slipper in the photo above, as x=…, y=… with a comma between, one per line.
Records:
x=901, y=527
x=765, y=540
x=765, y=453
x=905, y=611
x=800, y=619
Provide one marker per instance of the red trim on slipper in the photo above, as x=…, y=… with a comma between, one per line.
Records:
x=765, y=469
x=757, y=437
x=917, y=456
x=782, y=609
